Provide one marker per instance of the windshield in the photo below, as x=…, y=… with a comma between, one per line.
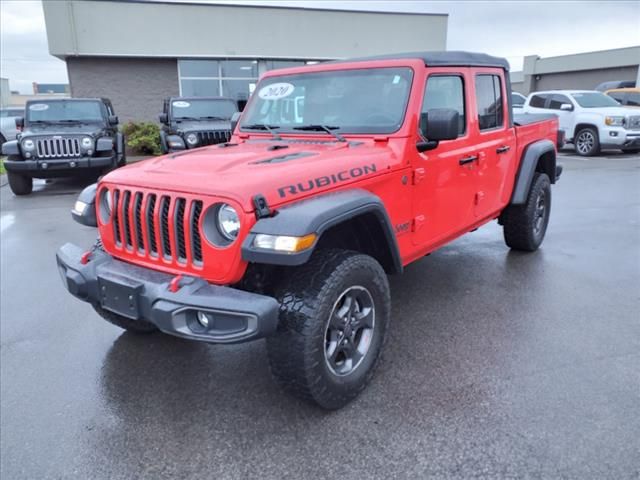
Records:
x=347, y=101
x=594, y=100
x=61, y=111
x=203, y=109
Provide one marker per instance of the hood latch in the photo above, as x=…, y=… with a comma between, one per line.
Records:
x=262, y=208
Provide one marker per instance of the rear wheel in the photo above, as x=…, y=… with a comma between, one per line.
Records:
x=20, y=184
x=525, y=225
x=587, y=142
x=334, y=316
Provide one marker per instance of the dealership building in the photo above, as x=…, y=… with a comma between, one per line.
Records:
x=139, y=52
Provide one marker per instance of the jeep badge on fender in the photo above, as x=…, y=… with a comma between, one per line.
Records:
x=337, y=175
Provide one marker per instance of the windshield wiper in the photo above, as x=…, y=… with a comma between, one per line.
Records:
x=71, y=121
x=263, y=126
x=323, y=128
x=179, y=119
x=213, y=117
x=43, y=122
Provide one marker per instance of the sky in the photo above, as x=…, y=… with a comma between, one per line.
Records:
x=510, y=29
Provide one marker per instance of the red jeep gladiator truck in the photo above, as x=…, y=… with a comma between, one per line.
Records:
x=336, y=175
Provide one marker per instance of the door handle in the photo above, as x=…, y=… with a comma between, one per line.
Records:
x=503, y=149
x=465, y=160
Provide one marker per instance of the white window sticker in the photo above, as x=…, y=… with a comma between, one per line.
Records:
x=276, y=91
x=181, y=104
x=38, y=107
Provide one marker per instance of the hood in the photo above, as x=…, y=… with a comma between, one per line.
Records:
x=199, y=126
x=80, y=129
x=239, y=172
x=614, y=111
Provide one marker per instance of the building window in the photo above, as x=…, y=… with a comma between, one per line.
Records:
x=218, y=78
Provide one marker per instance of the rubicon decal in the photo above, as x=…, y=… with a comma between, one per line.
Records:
x=326, y=180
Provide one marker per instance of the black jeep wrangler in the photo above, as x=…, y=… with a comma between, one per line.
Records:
x=190, y=122
x=63, y=138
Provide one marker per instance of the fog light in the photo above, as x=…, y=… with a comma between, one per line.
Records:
x=72, y=164
x=27, y=154
x=203, y=319
x=613, y=134
x=45, y=165
x=89, y=152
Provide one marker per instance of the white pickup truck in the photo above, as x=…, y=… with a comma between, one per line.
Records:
x=591, y=120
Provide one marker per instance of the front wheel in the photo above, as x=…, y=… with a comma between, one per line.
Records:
x=20, y=184
x=587, y=142
x=334, y=316
x=525, y=225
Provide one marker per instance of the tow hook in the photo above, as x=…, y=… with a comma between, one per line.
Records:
x=174, y=284
x=86, y=256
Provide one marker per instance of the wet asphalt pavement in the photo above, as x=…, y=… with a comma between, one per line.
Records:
x=498, y=364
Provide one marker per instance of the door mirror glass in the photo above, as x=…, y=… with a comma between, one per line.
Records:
x=566, y=107
x=113, y=120
x=19, y=123
x=164, y=118
x=440, y=124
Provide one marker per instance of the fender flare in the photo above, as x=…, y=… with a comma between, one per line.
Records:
x=10, y=148
x=163, y=142
x=527, y=169
x=317, y=215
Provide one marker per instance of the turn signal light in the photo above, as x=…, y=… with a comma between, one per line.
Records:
x=284, y=243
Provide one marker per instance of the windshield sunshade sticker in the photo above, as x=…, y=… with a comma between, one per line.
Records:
x=276, y=91
x=181, y=104
x=39, y=107
x=334, y=178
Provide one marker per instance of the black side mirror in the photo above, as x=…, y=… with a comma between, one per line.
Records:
x=19, y=123
x=437, y=125
x=164, y=118
x=234, y=121
x=113, y=120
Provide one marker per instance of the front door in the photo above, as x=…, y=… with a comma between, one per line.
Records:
x=444, y=178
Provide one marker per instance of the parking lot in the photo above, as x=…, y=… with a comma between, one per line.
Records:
x=498, y=365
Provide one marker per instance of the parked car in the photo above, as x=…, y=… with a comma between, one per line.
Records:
x=604, y=86
x=190, y=122
x=628, y=97
x=8, y=129
x=288, y=230
x=591, y=120
x=61, y=138
x=517, y=99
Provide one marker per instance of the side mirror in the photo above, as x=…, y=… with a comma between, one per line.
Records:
x=567, y=107
x=113, y=120
x=235, y=118
x=84, y=210
x=437, y=125
x=19, y=123
x=164, y=118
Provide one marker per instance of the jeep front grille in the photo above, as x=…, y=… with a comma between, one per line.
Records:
x=633, y=122
x=58, y=147
x=158, y=226
x=214, y=136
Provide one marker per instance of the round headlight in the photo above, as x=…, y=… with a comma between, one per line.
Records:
x=228, y=222
x=192, y=139
x=28, y=144
x=87, y=142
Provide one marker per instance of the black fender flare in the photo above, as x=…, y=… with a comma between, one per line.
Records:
x=10, y=148
x=120, y=144
x=87, y=216
x=528, y=166
x=317, y=215
x=163, y=142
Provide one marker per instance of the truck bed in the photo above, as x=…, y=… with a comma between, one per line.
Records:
x=521, y=119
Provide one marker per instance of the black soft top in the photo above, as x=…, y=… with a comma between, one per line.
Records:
x=442, y=59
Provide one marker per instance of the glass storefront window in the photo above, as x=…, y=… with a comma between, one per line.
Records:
x=200, y=88
x=275, y=64
x=199, y=68
x=239, y=69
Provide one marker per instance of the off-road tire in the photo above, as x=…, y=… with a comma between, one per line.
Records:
x=134, y=326
x=587, y=142
x=520, y=221
x=307, y=297
x=20, y=184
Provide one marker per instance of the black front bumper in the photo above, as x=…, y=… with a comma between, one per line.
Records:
x=51, y=165
x=142, y=294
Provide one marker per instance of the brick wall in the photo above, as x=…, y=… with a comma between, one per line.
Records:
x=135, y=86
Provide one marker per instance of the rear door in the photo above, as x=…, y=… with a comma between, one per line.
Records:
x=444, y=182
x=495, y=140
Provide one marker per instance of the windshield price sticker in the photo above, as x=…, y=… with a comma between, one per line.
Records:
x=276, y=91
x=181, y=104
x=38, y=107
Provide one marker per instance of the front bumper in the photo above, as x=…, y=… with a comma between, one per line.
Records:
x=143, y=294
x=620, y=137
x=48, y=165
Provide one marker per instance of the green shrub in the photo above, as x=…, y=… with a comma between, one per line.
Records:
x=143, y=137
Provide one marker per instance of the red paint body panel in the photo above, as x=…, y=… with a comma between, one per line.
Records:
x=431, y=192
